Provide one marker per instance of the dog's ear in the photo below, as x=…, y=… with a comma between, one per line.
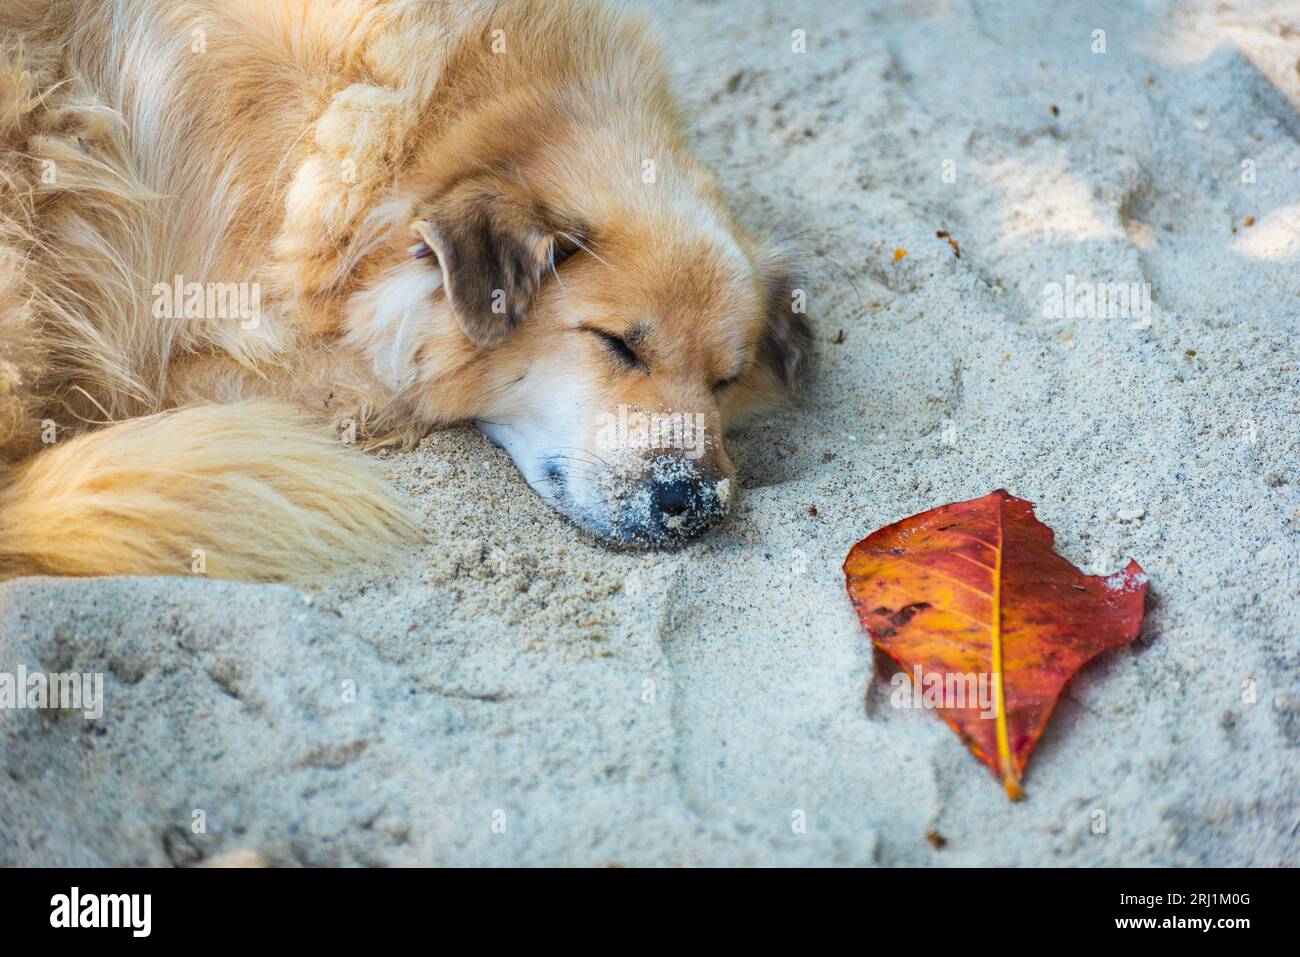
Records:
x=494, y=243
x=786, y=345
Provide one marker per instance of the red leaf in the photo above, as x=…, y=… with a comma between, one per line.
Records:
x=974, y=590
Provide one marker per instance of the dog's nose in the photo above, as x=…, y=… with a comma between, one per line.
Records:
x=687, y=508
x=673, y=497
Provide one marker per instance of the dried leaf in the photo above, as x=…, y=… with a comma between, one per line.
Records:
x=973, y=590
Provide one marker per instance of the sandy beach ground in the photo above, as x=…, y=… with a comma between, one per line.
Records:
x=519, y=695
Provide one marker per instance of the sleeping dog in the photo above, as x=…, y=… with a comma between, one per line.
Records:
x=237, y=237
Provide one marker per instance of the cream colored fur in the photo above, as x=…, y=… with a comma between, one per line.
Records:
x=253, y=490
x=302, y=146
x=244, y=491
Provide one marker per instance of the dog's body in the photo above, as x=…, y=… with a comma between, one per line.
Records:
x=360, y=211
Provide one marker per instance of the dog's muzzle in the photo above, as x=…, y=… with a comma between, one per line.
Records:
x=672, y=502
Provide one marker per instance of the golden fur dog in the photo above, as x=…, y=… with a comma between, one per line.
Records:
x=237, y=236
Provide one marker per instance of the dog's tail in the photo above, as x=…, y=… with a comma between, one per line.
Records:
x=246, y=491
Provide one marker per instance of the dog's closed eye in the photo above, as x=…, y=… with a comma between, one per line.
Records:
x=722, y=385
x=620, y=348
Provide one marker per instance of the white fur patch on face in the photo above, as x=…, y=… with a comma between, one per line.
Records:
x=389, y=321
x=542, y=417
x=551, y=423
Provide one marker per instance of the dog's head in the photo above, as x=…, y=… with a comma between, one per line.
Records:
x=606, y=350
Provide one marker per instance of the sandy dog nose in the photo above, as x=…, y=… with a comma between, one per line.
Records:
x=686, y=508
x=673, y=497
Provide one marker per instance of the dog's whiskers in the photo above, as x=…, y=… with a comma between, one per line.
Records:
x=580, y=468
x=555, y=271
x=584, y=247
x=592, y=455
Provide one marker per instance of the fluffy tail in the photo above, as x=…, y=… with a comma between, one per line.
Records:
x=245, y=491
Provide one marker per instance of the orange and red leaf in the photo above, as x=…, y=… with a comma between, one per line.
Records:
x=974, y=588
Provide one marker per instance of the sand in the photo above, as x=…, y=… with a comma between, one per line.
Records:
x=519, y=695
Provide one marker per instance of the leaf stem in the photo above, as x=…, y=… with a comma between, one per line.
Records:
x=1010, y=779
